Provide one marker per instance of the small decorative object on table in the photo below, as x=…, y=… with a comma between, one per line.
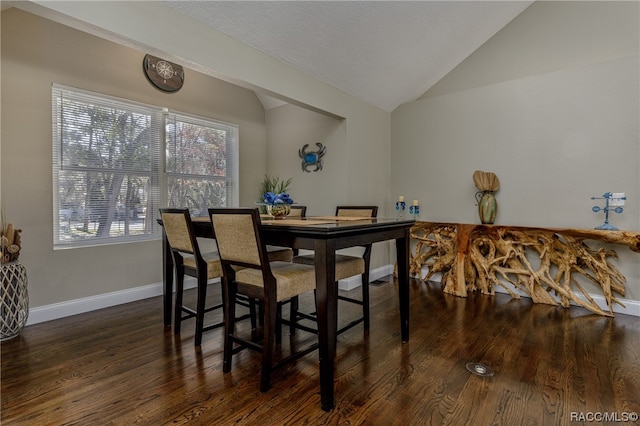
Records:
x=414, y=210
x=14, y=298
x=400, y=207
x=613, y=201
x=278, y=205
x=272, y=184
x=487, y=183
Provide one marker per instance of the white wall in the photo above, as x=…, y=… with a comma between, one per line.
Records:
x=556, y=133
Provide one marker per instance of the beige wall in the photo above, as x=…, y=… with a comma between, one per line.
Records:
x=158, y=29
x=542, y=130
x=36, y=53
x=548, y=37
x=289, y=127
x=108, y=67
x=551, y=105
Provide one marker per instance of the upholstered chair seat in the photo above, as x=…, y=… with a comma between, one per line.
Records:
x=248, y=270
x=346, y=266
x=212, y=259
x=189, y=260
x=293, y=279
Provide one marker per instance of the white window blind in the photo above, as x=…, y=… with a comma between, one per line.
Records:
x=201, y=163
x=109, y=167
x=106, y=168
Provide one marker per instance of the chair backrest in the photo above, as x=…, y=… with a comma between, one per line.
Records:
x=179, y=230
x=238, y=236
x=357, y=211
x=298, y=211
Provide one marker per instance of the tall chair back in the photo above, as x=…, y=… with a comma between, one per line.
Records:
x=357, y=211
x=247, y=270
x=178, y=227
x=298, y=211
x=238, y=238
x=188, y=260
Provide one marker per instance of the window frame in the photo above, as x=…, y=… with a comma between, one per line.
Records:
x=232, y=163
x=158, y=174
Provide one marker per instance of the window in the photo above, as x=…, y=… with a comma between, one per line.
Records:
x=201, y=165
x=115, y=162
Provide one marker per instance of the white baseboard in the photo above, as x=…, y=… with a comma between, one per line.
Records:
x=632, y=306
x=356, y=281
x=100, y=301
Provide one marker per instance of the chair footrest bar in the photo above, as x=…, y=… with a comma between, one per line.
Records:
x=299, y=326
x=245, y=344
x=211, y=308
x=350, y=325
x=212, y=326
x=187, y=313
x=310, y=317
x=348, y=299
x=295, y=356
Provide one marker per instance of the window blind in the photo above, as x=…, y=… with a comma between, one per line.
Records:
x=106, y=168
x=115, y=162
x=201, y=163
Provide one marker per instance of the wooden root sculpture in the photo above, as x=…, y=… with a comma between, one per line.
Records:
x=479, y=257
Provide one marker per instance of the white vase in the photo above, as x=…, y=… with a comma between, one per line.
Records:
x=14, y=299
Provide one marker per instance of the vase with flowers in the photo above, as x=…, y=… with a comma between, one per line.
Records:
x=278, y=205
x=274, y=196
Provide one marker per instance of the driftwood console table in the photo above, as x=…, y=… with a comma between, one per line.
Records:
x=541, y=262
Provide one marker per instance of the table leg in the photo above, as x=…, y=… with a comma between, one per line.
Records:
x=167, y=280
x=402, y=256
x=327, y=314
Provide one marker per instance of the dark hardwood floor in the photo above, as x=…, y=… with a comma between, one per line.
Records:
x=120, y=366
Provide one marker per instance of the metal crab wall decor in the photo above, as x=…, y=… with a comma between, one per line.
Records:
x=312, y=158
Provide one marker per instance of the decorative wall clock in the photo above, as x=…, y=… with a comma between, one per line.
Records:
x=163, y=74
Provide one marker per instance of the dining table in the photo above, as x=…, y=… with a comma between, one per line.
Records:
x=324, y=235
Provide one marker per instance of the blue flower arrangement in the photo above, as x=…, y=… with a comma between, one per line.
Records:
x=278, y=205
x=271, y=199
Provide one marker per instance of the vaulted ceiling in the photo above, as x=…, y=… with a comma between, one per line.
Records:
x=384, y=52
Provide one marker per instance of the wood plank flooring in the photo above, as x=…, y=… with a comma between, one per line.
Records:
x=120, y=366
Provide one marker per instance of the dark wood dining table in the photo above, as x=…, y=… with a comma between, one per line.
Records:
x=324, y=237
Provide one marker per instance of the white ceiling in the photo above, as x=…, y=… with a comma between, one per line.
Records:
x=383, y=52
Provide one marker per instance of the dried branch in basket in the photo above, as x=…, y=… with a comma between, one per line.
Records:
x=10, y=242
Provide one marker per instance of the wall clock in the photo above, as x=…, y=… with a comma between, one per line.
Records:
x=163, y=74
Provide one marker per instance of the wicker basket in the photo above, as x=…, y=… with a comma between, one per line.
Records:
x=14, y=299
